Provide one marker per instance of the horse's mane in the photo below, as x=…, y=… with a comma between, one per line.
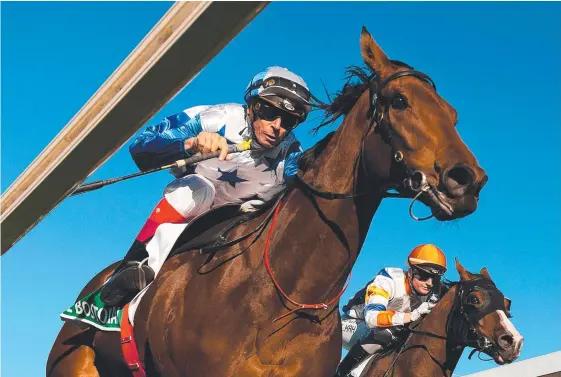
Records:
x=357, y=81
x=311, y=154
x=446, y=285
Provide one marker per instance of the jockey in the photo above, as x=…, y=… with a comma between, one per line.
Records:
x=277, y=101
x=394, y=298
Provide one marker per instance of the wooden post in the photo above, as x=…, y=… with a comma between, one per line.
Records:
x=187, y=37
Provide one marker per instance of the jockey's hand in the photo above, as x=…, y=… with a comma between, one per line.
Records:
x=206, y=142
x=422, y=310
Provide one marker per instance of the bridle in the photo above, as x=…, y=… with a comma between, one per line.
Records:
x=467, y=336
x=463, y=333
x=408, y=178
x=462, y=321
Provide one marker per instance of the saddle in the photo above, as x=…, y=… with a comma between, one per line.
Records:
x=209, y=231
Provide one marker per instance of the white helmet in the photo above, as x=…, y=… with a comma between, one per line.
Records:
x=282, y=89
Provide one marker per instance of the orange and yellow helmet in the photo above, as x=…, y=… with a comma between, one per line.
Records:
x=429, y=258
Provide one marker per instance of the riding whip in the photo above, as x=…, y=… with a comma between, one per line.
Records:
x=240, y=147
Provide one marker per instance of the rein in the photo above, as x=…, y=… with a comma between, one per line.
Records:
x=298, y=305
x=413, y=180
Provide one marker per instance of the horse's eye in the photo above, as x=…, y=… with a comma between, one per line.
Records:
x=473, y=300
x=399, y=102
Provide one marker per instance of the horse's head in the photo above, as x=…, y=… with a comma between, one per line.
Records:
x=419, y=127
x=487, y=311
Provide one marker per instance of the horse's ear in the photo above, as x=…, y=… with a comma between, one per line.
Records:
x=464, y=274
x=373, y=54
x=485, y=273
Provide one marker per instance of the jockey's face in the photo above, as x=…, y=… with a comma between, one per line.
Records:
x=421, y=281
x=270, y=125
x=268, y=133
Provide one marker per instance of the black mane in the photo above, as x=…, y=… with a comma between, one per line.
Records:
x=357, y=81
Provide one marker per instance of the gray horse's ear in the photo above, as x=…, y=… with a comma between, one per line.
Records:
x=485, y=273
x=464, y=274
x=373, y=54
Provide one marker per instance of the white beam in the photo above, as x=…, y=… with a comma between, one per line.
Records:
x=187, y=37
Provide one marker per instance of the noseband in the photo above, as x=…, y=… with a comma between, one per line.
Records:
x=379, y=121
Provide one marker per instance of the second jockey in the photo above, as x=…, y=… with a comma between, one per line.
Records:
x=276, y=101
x=376, y=313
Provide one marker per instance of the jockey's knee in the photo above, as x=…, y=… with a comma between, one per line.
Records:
x=371, y=348
x=190, y=195
x=377, y=339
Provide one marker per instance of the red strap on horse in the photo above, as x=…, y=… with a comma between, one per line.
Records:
x=128, y=346
x=299, y=305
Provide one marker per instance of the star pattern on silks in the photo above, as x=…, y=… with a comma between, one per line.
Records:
x=272, y=164
x=231, y=177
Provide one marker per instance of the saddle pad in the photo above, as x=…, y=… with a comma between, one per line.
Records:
x=90, y=311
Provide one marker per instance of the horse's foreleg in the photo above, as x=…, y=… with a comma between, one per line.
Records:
x=72, y=354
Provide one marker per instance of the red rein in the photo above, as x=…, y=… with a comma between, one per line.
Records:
x=299, y=306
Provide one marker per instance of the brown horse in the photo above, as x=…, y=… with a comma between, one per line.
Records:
x=472, y=313
x=397, y=133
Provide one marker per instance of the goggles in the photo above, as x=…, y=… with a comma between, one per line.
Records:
x=424, y=275
x=268, y=112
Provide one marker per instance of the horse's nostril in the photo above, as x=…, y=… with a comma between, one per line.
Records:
x=460, y=175
x=506, y=341
x=458, y=180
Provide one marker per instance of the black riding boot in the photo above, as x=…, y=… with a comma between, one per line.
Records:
x=355, y=356
x=129, y=278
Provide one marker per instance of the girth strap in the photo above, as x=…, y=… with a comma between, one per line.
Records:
x=128, y=346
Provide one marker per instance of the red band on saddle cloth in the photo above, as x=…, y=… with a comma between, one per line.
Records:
x=270, y=271
x=163, y=213
x=128, y=346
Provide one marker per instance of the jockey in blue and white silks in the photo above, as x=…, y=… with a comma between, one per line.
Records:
x=276, y=101
x=249, y=174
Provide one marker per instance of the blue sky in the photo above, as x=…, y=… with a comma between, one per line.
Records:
x=496, y=63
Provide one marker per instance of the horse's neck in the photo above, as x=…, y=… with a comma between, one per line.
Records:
x=321, y=237
x=337, y=169
x=334, y=170
x=440, y=355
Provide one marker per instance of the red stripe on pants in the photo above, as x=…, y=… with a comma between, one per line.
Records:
x=163, y=213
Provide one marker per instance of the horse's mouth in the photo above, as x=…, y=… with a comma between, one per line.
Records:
x=500, y=354
x=444, y=208
x=498, y=358
x=503, y=357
